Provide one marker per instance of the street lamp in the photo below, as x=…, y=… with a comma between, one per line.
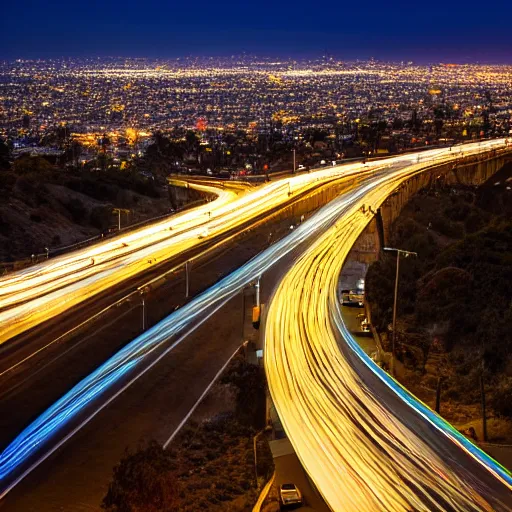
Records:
x=406, y=254
x=118, y=211
x=294, y=161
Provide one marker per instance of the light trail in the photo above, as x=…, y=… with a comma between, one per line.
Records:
x=36, y=294
x=364, y=440
x=90, y=395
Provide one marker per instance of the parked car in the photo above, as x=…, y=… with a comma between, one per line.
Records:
x=289, y=495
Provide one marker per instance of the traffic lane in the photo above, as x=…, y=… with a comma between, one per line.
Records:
x=151, y=408
x=26, y=394
x=63, y=270
x=23, y=345
x=34, y=404
x=289, y=470
x=464, y=465
x=77, y=475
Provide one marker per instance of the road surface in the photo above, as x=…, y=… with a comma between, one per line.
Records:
x=365, y=441
x=101, y=390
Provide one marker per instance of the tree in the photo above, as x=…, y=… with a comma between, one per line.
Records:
x=73, y=152
x=144, y=481
x=5, y=156
x=192, y=142
x=27, y=164
x=249, y=383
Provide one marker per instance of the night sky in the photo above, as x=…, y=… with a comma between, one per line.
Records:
x=420, y=31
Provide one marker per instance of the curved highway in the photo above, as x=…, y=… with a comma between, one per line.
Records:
x=38, y=293
x=96, y=391
x=365, y=441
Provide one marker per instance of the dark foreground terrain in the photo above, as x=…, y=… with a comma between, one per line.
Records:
x=43, y=205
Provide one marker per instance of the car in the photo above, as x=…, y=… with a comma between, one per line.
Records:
x=365, y=326
x=289, y=494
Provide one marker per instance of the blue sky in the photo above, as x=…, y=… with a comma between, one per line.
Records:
x=420, y=31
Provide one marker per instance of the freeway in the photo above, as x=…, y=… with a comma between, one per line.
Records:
x=96, y=391
x=44, y=291
x=41, y=292
x=363, y=439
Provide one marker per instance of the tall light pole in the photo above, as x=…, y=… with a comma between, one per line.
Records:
x=187, y=280
x=118, y=211
x=294, y=161
x=406, y=254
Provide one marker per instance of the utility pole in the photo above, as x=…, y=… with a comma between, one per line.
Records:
x=484, y=418
x=243, y=314
x=294, y=161
x=257, y=292
x=187, y=280
x=118, y=211
x=143, y=314
x=256, y=310
x=142, y=292
x=393, y=344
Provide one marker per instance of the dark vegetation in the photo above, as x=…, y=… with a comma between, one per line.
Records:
x=209, y=466
x=455, y=299
x=44, y=205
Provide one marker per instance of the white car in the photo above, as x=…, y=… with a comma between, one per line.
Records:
x=289, y=494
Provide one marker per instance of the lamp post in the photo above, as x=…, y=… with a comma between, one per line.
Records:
x=187, y=280
x=118, y=211
x=406, y=254
x=294, y=161
x=142, y=292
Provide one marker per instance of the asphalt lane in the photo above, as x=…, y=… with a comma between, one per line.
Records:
x=34, y=386
x=75, y=478
x=289, y=470
x=366, y=443
x=124, y=417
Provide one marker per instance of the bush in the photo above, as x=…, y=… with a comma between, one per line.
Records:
x=7, y=182
x=144, y=481
x=474, y=222
x=249, y=383
x=77, y=210
x=501, y=400
x=27, y=164
x=446, y=227
x=458, y=211
x=101, y=217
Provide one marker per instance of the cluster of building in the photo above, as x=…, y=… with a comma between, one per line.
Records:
x=129, y=99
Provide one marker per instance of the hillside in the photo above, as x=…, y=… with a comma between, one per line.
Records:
x=44, y=206
x=455, y=299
